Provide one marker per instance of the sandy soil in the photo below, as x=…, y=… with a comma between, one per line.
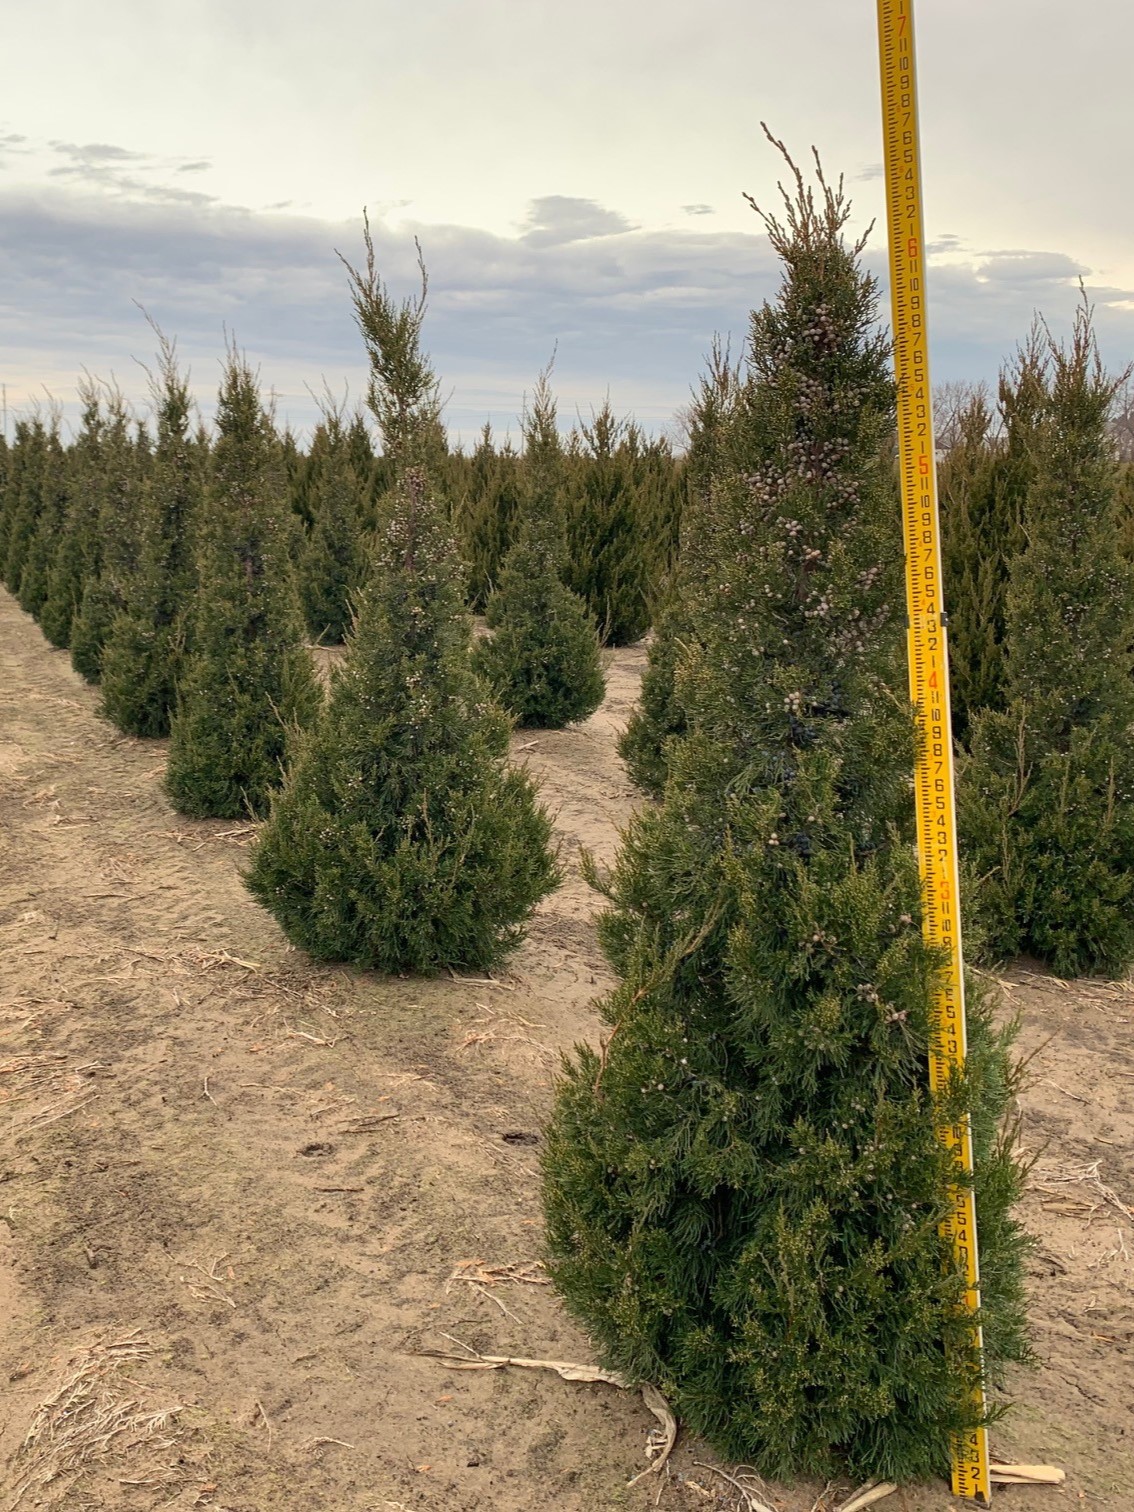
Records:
x=239, y=1195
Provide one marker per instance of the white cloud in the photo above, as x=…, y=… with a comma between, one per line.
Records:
x=1022, y=268
x=629, y=307
x=555, y=219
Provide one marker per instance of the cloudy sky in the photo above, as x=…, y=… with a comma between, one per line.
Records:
x=575, y=175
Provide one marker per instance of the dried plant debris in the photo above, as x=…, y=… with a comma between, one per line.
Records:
x=478, y=1273
x=41, y=1089
x=97, y=1414
x=1055, y=1191
x=661, y=1442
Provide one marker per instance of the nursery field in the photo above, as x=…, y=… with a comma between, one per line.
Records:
x=243, y=1198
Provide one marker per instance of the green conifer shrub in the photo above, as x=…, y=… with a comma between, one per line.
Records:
x=743, y=1190
x=248, y=680
x=50, y=484
x=661, y=486
x=402, y=840
x=6, y=464
x=121, y=473
x=25, y=502
x=333, y=561
x=77, y=552
x=659, y=717
x=985, y=481
x=360, y=445
x=1047, y=800
x=142, y=657
x=487, y=510
x=542, y=659
x=609, y=555
x=297, y=471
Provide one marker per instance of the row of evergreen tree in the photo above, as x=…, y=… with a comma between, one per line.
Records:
x=398, y=837
x=618, y=500
x=80, y=524
x=744, y=1187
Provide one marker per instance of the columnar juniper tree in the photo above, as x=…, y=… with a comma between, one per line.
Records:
x=5, y=465
x=53, y=502
x=985, y=483
x=743, y=1190
x=121, y=474
x=333, y=561
x=542, y=660
x=76, y=554
x=22, y=501
x=1047, y=801
x=33, y=509
x=402, y=840
x=609, y=550
x=142, y=657
x=659, y=717
x=486, y=516
x=248, y=681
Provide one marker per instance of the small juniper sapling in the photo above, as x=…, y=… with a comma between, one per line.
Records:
x=402, y=839
x=542, y=660
x=248, y=683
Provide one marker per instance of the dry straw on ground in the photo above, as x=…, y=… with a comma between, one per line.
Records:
x=97, y=1413
x=44, y=1088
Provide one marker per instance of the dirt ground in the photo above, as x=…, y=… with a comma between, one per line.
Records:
x=241, y=1195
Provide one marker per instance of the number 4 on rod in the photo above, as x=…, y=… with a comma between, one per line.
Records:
x=929, y=668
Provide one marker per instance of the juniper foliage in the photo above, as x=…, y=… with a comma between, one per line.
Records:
x=402, y=840
x=609, y=556
x=77, y=552
x=486, y=518
x=33, y=506
x=120, y=475
x=22, y=501
x=403, y=392
x=1047, y=801
x=50, y=464
x=333, y=562
x=542, y=660
x=144, y=652
x=985, y=483
x=248, y=682
x=659, y=718
x=743, y=1190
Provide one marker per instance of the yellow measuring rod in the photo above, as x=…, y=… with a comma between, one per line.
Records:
x=929, y=661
